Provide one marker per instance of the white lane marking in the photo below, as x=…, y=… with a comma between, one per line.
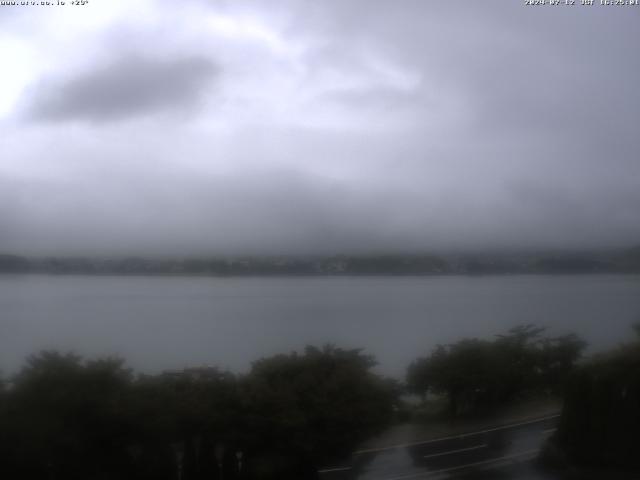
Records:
x=549, y=430
x=337, y=469
x=467, y=465
x=476, y=447
x=452, y=437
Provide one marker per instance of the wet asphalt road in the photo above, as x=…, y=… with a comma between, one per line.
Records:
x=504, y=452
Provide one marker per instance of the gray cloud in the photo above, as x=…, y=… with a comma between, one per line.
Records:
x=130, y=87
x=338, y=126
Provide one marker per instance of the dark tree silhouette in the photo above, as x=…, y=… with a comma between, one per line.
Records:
x=477, y=375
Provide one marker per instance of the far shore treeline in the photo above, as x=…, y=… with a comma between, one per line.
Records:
x=551, y=262
x=64, y=417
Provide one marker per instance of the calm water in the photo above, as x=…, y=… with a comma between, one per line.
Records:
x=158, y=322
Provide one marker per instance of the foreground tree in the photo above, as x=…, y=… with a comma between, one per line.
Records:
x=477, y=375
x=600, y=421
x=312, y=408
x=66, y=418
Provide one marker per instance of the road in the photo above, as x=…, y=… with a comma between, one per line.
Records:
x=501, y=452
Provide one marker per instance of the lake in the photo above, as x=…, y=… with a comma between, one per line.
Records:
x=161, y=323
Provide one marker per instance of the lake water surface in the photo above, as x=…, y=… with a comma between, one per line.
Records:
x=170, y=322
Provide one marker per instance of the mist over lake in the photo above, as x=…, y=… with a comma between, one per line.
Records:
x=159, y=323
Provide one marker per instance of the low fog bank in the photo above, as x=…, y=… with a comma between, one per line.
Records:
x=281, y=214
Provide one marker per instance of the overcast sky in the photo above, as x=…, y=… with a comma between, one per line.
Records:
x=324, y=126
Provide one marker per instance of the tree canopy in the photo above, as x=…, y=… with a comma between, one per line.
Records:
x=68, y=418
x=477, y=374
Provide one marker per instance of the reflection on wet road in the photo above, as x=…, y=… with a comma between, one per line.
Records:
x=504, y=452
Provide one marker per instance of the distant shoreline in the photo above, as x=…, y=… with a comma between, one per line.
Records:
x=318, y=275
x=624, y=261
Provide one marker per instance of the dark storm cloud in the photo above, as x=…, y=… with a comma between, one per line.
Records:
x=129, y=87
